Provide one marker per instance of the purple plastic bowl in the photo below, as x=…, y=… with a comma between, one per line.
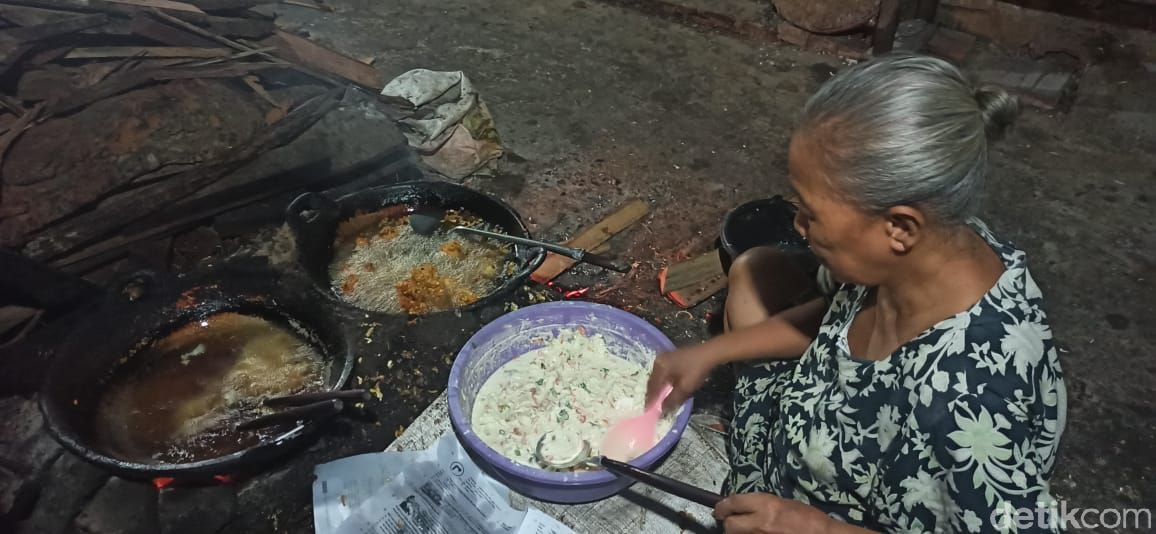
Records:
x=509, y=337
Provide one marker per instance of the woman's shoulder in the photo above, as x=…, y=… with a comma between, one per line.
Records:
x=1003, y=345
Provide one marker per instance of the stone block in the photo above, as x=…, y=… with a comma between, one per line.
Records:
x=120, y=507
x=17, y=496
x=196, y=510
x=24, y=444
x=65, y=488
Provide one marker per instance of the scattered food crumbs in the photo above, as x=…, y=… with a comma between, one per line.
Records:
x=389, y=364
x=400, y=430
x=359, y=381
x=376, y=391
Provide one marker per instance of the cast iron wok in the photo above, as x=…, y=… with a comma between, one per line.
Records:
x=148, y=307
x=314, y=219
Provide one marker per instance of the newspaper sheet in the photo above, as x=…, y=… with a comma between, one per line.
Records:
x=438, y=491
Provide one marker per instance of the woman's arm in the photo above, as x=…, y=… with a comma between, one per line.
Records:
x=763, y=513
x=786, y=334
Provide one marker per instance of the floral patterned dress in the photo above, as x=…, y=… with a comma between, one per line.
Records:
x=954, y=426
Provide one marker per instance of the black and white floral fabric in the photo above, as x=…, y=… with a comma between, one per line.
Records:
x=956, y=424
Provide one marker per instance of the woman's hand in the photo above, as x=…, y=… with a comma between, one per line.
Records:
x=762, y=513
x=685, y=369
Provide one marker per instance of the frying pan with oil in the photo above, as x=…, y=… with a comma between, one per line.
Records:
x=314, y=220
x=149, y=307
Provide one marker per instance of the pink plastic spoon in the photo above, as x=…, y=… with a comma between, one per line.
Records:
x=629, y=438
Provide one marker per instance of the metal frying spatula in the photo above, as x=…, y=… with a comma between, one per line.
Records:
x=575, y=254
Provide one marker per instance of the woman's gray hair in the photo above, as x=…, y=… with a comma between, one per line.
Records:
x=907, y=129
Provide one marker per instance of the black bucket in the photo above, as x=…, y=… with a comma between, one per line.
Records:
x=759, y=223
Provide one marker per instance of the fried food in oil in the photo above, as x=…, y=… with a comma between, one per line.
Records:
x=453, y=249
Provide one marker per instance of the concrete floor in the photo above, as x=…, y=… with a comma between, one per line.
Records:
x=597, y=105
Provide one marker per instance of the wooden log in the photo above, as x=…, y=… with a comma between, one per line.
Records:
x=104, y=52
x=590, y=238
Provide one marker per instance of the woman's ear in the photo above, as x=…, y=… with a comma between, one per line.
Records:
x=906, y=226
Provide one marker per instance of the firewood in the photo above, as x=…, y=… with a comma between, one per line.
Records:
x=692, y=296
x=104, y=52
x=691, y=272
x=123, y=209
x=31, y=34
x=225, y=5
x=555, y=264
x=314, y=56
x=132, y=79
x=146, y=25
x=160, y=4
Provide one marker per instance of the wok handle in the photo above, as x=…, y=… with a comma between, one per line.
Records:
x=606, y=262
x=669, y=485
x=313, y=220
x=314, y=412
x=300, y=399
x=307, y=208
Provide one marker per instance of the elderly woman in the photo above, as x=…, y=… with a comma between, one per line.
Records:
x=922, y=391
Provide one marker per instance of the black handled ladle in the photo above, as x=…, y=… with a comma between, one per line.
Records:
x=582, y=457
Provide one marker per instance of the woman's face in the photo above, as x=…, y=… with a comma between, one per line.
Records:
x=853, y=244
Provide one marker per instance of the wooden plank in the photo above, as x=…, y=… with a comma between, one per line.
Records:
x=239, y=27
x=29, y=34
x=31, y=16
x=149, y=27
x=692, y=272
x=314, y=56
x=160, y=4
x=101, y=52
x=630, y=213
x=692, y=296
x=225, y=5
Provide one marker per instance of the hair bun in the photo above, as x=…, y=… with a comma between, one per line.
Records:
x=999, y=110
